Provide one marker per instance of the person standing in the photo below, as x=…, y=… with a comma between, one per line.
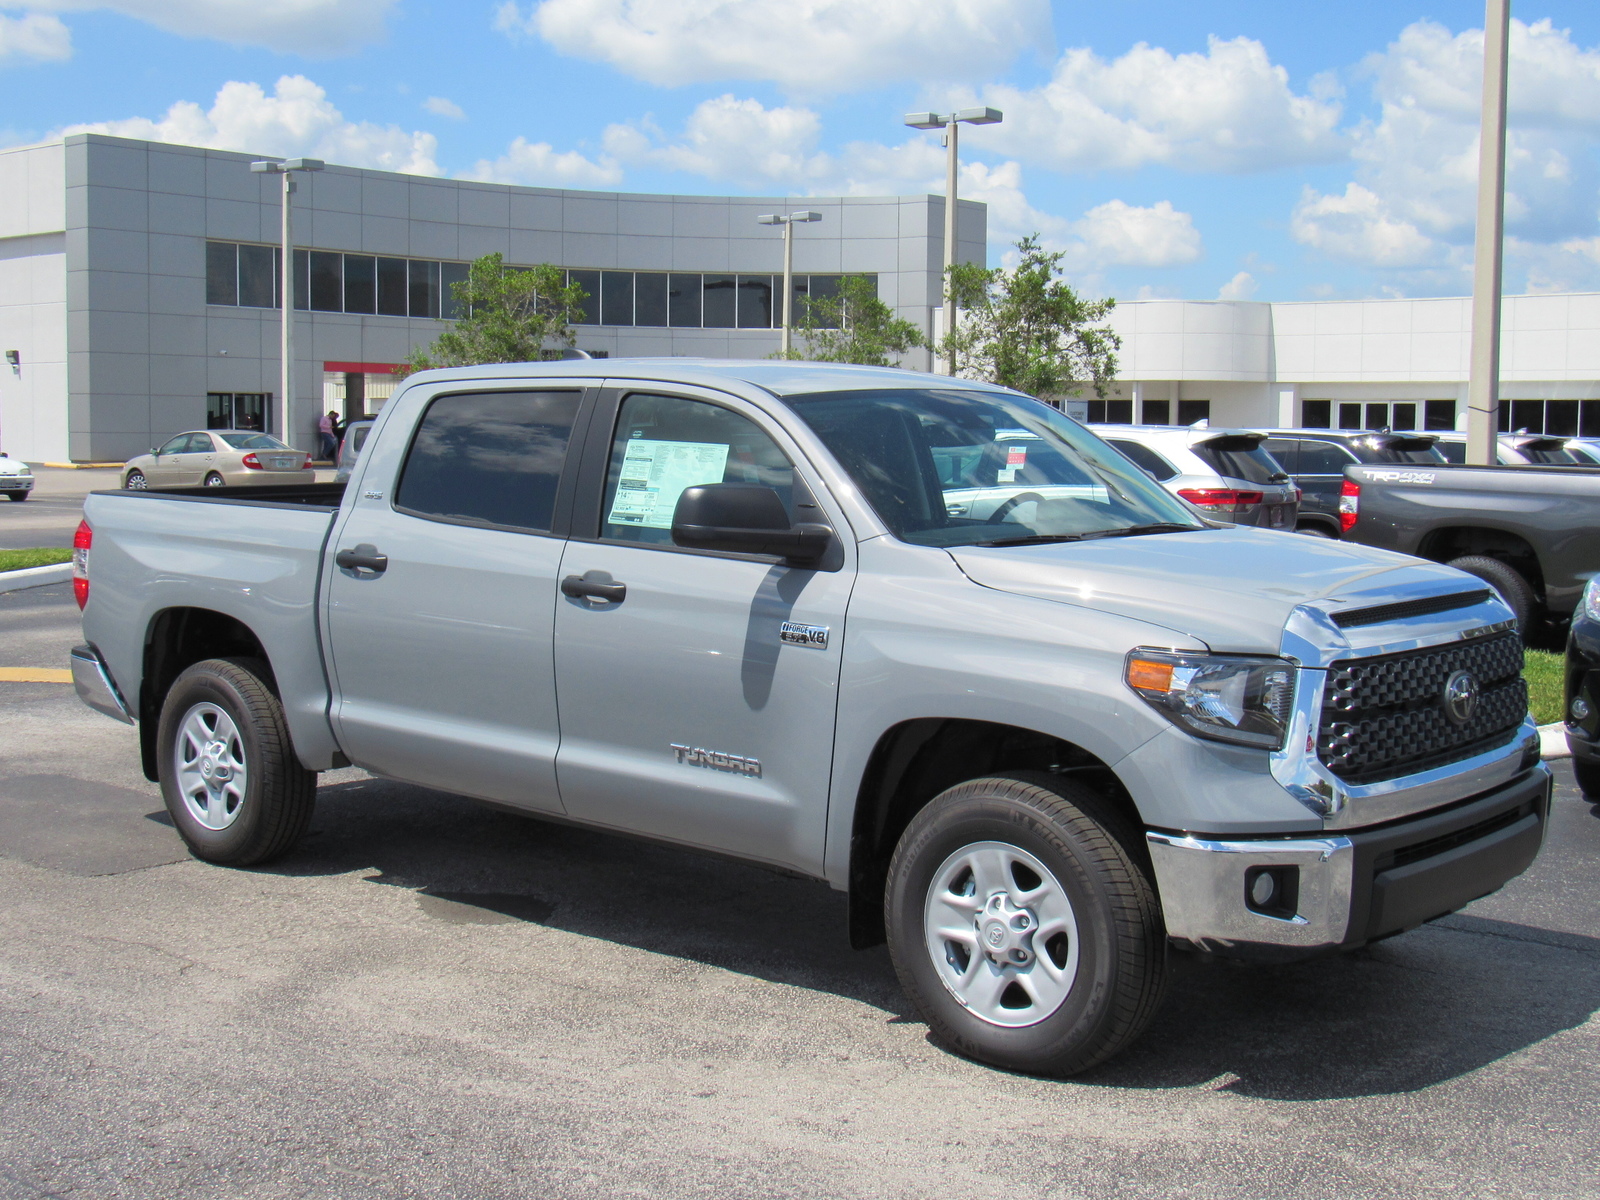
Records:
x=326, y=425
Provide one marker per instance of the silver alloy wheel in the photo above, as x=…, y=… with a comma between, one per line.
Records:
x=215, y=480
x=209, y=765
x=136, y=482
x=1002, y=934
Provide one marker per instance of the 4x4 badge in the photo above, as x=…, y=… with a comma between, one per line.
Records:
x=795, y=634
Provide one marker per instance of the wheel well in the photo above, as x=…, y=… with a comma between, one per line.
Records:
x=1444, y=545
x=916, y=761
x=1319, y=519
x=177, y=639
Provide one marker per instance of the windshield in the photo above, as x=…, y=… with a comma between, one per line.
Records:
x=966, y=468
x=252, y=441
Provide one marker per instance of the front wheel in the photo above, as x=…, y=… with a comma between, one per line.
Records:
x=1588, y=776
x=136, y=482
x=1022, y=925
x=17, y=496
x=229, y=776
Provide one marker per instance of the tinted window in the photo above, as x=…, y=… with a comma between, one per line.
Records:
x=360, y=283
x=1324, y=458
x=424, y=281
x=174, y=445
x=720, y=301
x=664, y=444
x=451, y=274
x=684, y=295
x=649, y=298
x=1238, y=460
x=616, y=297
x=256, y=276
x=198, y=443
x=252, y=441
x=1287, y=452
x=327, y=281
x=489, y=458
x=392, y=287
x=222, y=273
x=1549, y=456
x=755, y=301
x=1455, y=452
x=589, y=307
x=963, y=468
x=1145, y=457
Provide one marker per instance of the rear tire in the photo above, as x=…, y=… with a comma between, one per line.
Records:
x=1506, y=580
x=229, y=776
x=1321, y=531
x=215, y=480
x=1044, y=870
x=1588, y=776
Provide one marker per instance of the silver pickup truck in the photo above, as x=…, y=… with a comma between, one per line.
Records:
x=926, y=639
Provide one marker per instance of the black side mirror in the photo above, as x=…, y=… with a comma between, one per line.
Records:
x=745, y=518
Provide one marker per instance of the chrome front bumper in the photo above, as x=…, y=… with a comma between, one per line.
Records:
x=94, y=685
x=1343, y=890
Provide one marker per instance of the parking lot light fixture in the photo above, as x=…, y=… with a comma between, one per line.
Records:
x=788, y=221
x=949, y=122
x=286, y=168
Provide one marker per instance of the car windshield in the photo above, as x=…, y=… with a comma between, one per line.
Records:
x=949, y=467
x=252, y=441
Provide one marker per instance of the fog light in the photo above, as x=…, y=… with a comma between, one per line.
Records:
x=1580, y=708
x=1263, y=889
x=1272, y=891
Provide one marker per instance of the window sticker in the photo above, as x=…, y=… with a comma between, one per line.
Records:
x=654, y=474
x=1016, y=460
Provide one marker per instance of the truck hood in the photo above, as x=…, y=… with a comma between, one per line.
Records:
x=1232, y=589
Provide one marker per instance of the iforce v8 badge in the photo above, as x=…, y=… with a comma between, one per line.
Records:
x=796, y=634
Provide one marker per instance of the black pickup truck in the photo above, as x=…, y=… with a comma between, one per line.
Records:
x=1530, y=532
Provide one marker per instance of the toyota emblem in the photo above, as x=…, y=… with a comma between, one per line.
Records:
x=1460, y=697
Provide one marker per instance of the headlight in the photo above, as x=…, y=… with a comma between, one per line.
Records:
x=1228, y=698
x=1591, y=599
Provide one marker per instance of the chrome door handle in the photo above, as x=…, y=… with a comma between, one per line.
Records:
x=363, y=557
x=594, y=585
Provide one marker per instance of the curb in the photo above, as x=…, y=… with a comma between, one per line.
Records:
x=29, y=577
x=88, y=466
x=1553, y=741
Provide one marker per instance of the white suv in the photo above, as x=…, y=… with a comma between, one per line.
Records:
x=1225, y=473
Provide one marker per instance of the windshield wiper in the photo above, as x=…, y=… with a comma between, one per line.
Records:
x=1039, y=539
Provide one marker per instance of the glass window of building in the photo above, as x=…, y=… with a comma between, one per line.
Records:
x=392, y=287
x=360, y=283
x=450, y=274
x=222, y=273
x=684, y=306
x=327, y=281
x=616, y=298
x=650, y=298
x=257, y=277
x=755, y=302
x=424, y=279
x=720, y=306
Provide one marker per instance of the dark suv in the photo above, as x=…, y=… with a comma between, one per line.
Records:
x=1316, y=459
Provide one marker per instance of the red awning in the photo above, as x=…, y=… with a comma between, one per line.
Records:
x=360, y=368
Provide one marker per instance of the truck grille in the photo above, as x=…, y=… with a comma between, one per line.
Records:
x=1385, y=717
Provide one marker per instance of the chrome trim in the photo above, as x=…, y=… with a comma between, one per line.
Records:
x=1201, y=883
x=94, y=685
x=1311, y=639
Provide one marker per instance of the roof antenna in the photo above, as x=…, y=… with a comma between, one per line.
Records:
x=1202, y=423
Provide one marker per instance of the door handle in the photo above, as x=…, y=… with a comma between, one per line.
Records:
x=594, y=585
x=363, y=557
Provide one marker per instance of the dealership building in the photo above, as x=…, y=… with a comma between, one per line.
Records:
x=138, y=298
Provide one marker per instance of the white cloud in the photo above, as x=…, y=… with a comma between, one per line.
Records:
x=440, y=107
x=538, y=164
x=729, y=139
x=805, y=46
x=297, y=119
x=1241, y=287
x=36, y=36
x=1412, y=205
x=1125, y=235
x=313, y=27
x=1229, y=109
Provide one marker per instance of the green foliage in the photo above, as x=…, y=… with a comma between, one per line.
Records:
x=16, y=560
x=1543, y=670
x=853, y=327
x=512, y=315
x=1027, y=329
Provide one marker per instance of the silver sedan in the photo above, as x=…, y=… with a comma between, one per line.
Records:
x=218, y=458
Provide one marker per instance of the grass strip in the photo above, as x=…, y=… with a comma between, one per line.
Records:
x=40, y=556
x=1542, y=669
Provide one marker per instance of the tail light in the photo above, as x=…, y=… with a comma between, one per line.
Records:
x=1349, y=505
x=306, y=466
x=252, y=462
x=1221, y=499
x=1298, y=495
x=81, y=541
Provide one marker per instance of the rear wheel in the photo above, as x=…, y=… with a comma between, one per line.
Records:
x=1321, y=531
x=215, y=480
x=1506, y=580
x=136, y=482
x=1023, y=927
x=231, y=782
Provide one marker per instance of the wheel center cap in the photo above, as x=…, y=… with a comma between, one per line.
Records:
x=1006, y=931
x=995, y=934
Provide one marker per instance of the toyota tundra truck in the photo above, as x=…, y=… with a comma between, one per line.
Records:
x=924, y=638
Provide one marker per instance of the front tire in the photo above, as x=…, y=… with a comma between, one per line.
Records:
x=1022, y=925
x=18, y=496
x=229, y=776
x=1588, y=777
x=136, y=482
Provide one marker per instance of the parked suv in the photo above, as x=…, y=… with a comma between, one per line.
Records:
x=1224, y=473
x=1316, y=459
x=1515, y=449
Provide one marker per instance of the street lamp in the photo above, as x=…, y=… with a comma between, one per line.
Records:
x=788, y=223
x=928, y=120
x=286, y=168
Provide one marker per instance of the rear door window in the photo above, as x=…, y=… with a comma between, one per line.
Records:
x=1143, y=456
x=1324, y=458
x=1287, y=452
x=489, y=458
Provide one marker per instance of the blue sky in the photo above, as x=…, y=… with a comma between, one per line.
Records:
x=1240, y=149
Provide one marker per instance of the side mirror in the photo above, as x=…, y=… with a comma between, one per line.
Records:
x=745, y=518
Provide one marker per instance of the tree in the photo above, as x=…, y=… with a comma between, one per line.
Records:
x=512, y=315
x=853, y=326
x=1025, y=328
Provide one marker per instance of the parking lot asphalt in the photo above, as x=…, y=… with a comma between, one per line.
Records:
x=51, y=514
x=431, y=998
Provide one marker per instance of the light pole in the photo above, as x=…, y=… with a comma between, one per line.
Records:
x=1483, y=379
x=286, y=168
x=788, y=223
x=928, y=120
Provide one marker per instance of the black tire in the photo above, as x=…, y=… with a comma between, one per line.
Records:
x=17, y=496
x=136, y=482
x=276, y=802
x=1321, y=531
x=1588, y=776
x=215, y=480
x=1121, y=944
x=1504, y=579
